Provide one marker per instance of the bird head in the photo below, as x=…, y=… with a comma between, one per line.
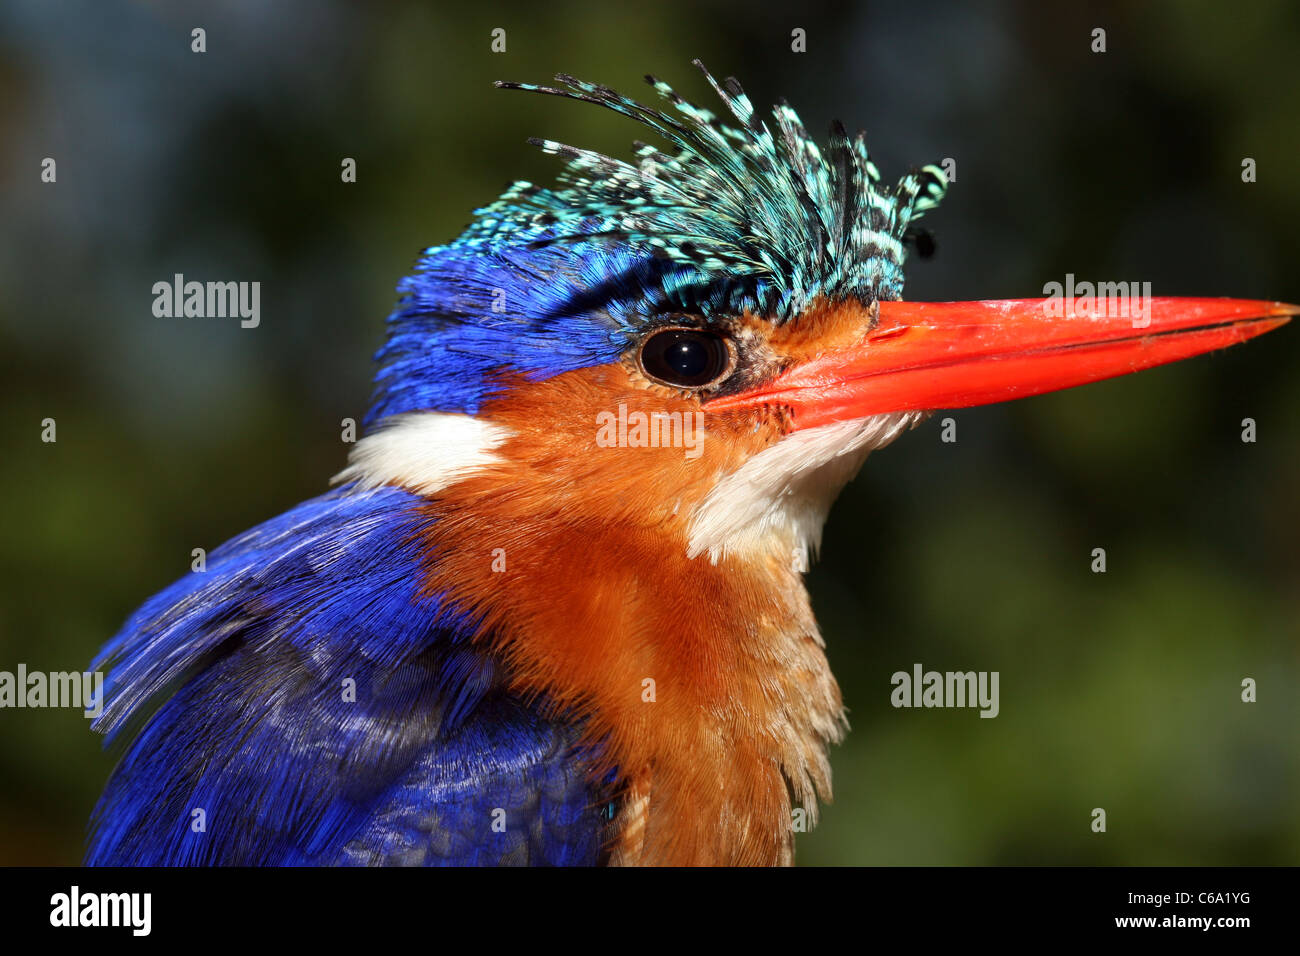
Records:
x=707, y=340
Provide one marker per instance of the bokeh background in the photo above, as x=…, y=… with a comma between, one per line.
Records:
x=1118, y=690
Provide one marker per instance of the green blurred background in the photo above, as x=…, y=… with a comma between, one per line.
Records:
x=1118, y=690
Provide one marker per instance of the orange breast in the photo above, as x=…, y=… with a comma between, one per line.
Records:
x=705, y=685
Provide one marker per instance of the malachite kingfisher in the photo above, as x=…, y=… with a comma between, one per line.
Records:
x=553, y=611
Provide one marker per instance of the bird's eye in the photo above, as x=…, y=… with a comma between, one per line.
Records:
x=685, y=358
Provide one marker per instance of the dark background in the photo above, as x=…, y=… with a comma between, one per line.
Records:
x=1118, y=690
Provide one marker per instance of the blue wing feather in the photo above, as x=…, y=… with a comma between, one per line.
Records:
x=316, y=708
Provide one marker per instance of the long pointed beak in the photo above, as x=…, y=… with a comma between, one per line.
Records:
x=935, y=355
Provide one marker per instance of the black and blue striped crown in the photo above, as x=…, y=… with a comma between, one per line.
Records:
x=731, y=219
x=731, y=203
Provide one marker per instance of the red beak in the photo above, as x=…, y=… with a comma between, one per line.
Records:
x=934, y=355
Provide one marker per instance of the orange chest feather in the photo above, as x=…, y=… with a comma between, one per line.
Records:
x=705, y=685
x=707, y=689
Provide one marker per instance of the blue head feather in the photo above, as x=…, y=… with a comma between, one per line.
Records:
x=733, y=219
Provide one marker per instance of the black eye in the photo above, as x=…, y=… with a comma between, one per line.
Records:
x=685, y=358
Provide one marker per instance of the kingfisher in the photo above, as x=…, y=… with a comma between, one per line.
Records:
x=552, y=611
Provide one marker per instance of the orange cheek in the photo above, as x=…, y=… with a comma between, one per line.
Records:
x=823, y=326
x=601, y=440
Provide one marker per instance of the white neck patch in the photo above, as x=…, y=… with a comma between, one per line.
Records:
x=423, y=452
x=787, y=490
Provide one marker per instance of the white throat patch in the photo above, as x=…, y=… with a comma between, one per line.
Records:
x=423, y=452
x=787, y=490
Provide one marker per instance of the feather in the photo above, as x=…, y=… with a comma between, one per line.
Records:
x=300, y=703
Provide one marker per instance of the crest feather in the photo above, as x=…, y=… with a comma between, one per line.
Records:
x=766, y=214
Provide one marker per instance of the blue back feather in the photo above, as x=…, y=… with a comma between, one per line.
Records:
x=258, y=733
